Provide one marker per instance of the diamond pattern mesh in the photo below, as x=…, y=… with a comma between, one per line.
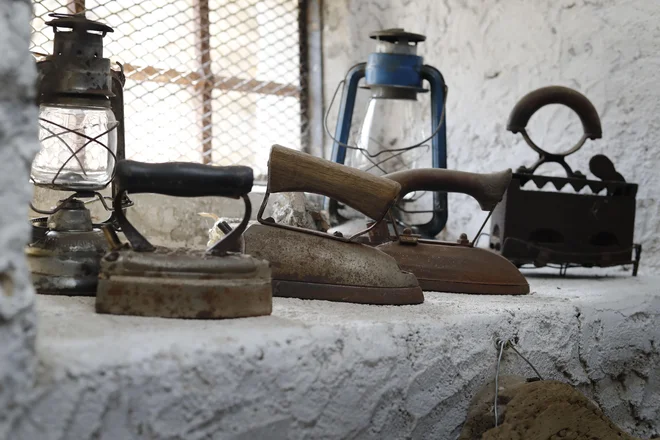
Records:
x=212, y=81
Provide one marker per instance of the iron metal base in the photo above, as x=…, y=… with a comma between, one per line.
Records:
x=183, y=284
x=311, y=266
x=351, y=294
x=458, y=269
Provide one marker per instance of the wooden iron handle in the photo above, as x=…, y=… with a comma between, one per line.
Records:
x=290, y=170
x=487, y=189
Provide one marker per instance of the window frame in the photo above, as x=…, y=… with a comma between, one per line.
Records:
x=309, y=91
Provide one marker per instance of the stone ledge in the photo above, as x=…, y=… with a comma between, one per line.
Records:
x=328, y=370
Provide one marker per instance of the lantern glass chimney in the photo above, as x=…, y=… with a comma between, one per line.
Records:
x=78, y=147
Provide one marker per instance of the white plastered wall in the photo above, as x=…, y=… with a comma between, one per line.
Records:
x=493, y=52
x=18, y=145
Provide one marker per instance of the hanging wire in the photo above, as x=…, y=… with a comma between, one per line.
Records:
x=483, y=234
x=497, y=377
x=512, y=347
x=502, y=345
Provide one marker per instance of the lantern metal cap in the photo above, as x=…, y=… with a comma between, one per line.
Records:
x=77, y=22
x=396, y=35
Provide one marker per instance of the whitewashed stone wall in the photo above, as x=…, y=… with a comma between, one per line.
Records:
x=18, y=145
x=492, y=52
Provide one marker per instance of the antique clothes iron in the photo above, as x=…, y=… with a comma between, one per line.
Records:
x=544, y=227
x=451, y=267
x=138, y=278
x=310, y=264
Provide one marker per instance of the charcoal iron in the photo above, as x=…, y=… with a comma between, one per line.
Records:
x=310, y=264
x=137, y=278
x=563, y=229
x=444, y=266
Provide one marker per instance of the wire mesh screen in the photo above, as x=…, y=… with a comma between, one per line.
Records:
x=211, y=81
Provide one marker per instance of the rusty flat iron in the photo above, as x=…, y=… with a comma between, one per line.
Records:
x=444, y=266
x=310, y=264
x=137, y=278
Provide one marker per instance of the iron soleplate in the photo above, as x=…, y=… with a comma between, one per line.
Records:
x=458, y=269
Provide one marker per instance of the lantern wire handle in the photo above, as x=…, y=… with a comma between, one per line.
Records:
x=364, y=150
x=377, y=164
x=59, y=137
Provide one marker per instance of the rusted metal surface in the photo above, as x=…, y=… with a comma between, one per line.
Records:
x=312, y=264
x=537, y=225
x=183, y=284
x=315, y=267
x=448, y=267
x=76, y=69
x=451, y=267
x=66, y=263
x=65, y=251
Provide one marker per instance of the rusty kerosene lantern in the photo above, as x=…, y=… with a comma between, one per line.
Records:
x=81, y=132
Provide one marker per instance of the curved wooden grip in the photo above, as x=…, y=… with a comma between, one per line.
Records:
x=576, y=101
x=291, y=170
x=487, y=189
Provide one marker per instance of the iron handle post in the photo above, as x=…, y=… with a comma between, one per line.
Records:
x=182, y=180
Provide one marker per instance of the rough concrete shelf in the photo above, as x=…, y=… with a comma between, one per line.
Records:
x=329, y=370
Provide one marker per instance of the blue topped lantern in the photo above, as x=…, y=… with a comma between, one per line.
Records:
x=396, y=134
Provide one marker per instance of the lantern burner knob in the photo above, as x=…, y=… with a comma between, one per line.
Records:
x=397, y=36
x=396, y=41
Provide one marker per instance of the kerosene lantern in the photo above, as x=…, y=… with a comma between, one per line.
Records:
x=394, y=135
x=81, y=114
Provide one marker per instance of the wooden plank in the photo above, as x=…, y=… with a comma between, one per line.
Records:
x=205, y=84
x=194, y=79
x=76, y=6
